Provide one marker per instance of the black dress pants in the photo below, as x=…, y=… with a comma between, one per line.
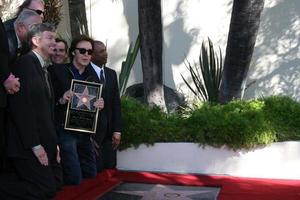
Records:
x=107, y=156
x=33, y=181
x=2, y=139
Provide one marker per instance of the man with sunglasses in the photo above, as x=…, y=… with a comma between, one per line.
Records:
x=37, y=6
x=60, y=52
x=77, y=152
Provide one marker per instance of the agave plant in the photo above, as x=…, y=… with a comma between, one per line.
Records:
x=206, y=77
x=127, y=65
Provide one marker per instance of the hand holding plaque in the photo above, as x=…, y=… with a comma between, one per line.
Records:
x=82, y=110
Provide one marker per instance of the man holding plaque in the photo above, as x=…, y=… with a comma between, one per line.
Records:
x=109, y=136
x=76, y=99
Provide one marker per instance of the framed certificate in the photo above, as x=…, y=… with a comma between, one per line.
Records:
x=81, y=113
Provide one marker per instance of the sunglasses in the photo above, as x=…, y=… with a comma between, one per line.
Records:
x=39, y=12
x=83, y=51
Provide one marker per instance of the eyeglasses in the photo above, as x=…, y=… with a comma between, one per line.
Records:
x=83, y=51
x=39, y=12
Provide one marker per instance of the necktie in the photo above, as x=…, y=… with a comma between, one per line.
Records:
x=47, y=78
x=102, y=79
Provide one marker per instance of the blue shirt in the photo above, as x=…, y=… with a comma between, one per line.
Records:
x=79, y=76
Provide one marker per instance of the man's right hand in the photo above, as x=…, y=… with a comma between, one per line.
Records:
x=41, y=155
x=66, y=97
x=12, y=84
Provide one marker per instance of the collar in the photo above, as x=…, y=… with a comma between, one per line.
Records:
x=98, y=69
x=19, y=42
x=40, y=58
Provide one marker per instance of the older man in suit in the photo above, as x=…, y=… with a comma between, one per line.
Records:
x=109, y=135
x=9, y=84
x=17, y=34
x=32, y=141
x=38, y=6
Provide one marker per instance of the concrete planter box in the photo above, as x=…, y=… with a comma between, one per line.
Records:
x=278, y=160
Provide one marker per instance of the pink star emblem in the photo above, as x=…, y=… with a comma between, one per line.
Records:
x=84, y=98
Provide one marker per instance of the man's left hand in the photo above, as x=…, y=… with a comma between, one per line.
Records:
x=116, y=139
x=99, y=103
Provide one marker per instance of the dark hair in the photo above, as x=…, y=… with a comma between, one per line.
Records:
x=38, y=29
x=76, y=40
x=98, y=42
x=25, y=4
x=63, y=41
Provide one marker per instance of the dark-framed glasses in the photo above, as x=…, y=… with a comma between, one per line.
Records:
x=83, y=51
x=39, y=12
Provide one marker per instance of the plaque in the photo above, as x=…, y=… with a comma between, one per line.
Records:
x=81, y=114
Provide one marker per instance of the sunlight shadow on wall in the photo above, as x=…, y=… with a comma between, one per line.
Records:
x=276, y=59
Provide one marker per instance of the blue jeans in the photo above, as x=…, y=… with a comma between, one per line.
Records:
x=77, y=156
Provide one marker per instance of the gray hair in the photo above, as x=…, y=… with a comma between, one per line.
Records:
x=24, y=16
x=37, y=30
x=26, y=4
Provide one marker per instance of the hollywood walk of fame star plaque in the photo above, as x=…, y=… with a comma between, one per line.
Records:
x=81, y=114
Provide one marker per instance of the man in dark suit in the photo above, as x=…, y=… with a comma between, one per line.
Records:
x=17, y=45
x=109, y=137
x=17, y=34
x=32, y=140
x=38, y=6
x=8, y=84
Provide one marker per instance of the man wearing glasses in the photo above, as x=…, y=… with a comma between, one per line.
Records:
x=77, y=152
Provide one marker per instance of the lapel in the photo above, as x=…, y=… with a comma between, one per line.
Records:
x=93, y=76
x=40, y=71
x=93, y=73
x=37, y=65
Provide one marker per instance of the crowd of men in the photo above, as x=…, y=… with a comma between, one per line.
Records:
x=37, y=154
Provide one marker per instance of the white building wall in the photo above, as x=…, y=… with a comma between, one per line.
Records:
x=276, y=58
x=274, y=68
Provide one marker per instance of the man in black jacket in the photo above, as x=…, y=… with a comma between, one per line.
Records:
x=77, y=153
x=109, y=136
x=32, y=140
x=9, y=84
x=14, y=42
x=17, y=34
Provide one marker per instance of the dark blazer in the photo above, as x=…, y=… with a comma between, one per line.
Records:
x=32, y=117
x=13, y=42
x=61, y=76
x=112, y=104
x=4, y=67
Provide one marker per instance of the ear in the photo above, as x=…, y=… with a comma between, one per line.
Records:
x=73, y=53
x=19, y=27
x=35, y=41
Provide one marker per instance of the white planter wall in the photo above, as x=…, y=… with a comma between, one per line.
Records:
x=279, y=160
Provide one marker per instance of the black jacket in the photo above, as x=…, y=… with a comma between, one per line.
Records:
x=110, y=117
x=4, y=66
x=13, y=42
x=31, y=110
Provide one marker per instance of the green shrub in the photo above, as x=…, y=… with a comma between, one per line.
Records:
x=284, y=114
x=239, y=124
